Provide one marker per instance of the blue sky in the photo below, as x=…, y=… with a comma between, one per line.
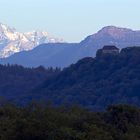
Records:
x=72, y=20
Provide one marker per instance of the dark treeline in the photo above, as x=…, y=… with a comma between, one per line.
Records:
x=37, y=122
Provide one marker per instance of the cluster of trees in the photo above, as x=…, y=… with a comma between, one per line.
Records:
x=39, y=122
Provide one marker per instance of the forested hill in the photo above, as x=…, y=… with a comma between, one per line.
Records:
x=97, y=82
x=92, y=82
x=16, y=80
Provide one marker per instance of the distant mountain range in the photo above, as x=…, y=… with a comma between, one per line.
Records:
x=64, y=54
x=12, y=41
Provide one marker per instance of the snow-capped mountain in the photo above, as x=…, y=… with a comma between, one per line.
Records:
x=12, y=41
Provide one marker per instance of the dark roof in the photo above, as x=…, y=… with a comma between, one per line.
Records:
x=110, y=47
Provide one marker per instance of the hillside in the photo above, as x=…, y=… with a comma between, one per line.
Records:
x=96, y=82
x=48, y=55
x=93, y=83
x=55, y=54
x=16, y=80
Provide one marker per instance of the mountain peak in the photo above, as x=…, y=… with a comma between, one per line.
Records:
x=12, y=41
x=113, y=30
x=4, y=27
x=112, y=35
x=111, y=27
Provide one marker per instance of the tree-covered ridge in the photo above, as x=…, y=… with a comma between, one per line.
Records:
x=37, y=122
x=92, y=82
x=16, y=80
x=97, y=82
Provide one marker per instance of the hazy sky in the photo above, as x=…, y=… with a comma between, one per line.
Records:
x=72, y=20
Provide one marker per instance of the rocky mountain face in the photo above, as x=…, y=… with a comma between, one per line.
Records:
x=12, y=41
x=111, y=35
x=64, y=54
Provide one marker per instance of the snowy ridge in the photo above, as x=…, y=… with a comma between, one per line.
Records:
x=12, y=41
